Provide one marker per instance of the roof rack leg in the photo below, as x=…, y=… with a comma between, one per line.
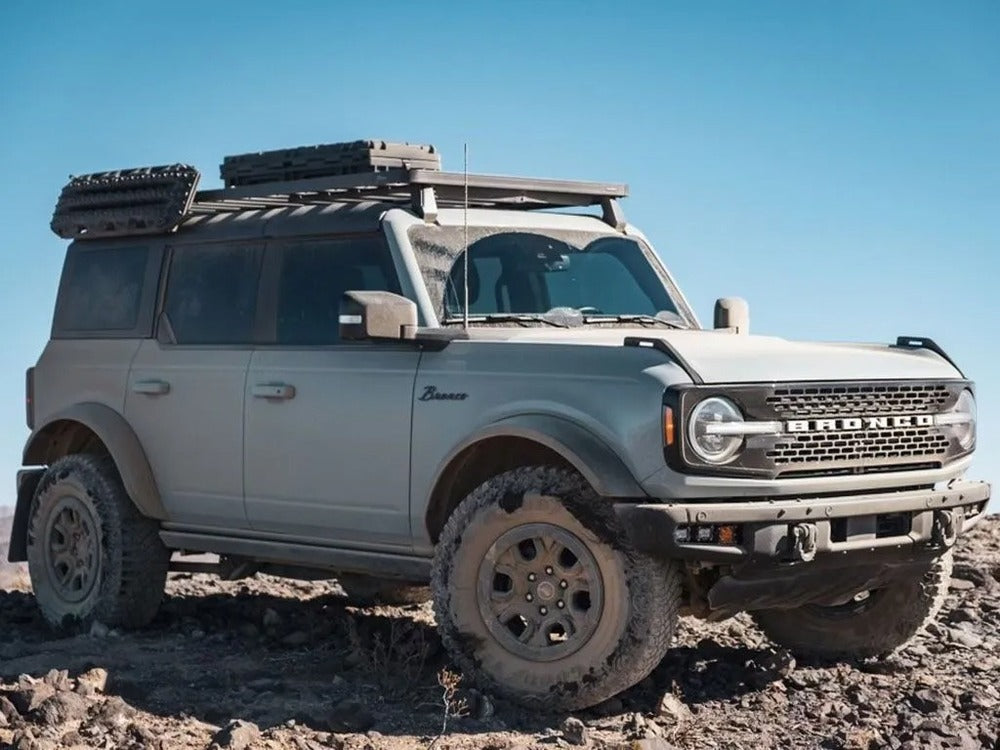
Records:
x=611, y=213
x=425, y=203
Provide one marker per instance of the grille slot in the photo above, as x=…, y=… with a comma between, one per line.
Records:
x=860, y=445
x=804, y=402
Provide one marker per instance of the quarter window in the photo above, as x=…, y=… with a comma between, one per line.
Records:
x=312, y=280
x=212, y=293
x=102, y=289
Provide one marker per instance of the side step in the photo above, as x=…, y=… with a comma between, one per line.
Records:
x=382, y=564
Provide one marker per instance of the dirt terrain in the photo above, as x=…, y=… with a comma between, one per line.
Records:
x=269, y=663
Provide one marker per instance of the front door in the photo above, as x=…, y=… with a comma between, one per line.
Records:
x=327, y=441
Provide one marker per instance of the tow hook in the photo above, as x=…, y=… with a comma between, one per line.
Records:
x=945, y=528
x=804, y=541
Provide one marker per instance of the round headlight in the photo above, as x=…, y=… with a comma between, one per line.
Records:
x=965, y=430
x=707, y=431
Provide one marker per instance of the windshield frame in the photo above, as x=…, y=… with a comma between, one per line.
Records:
x=487, y=222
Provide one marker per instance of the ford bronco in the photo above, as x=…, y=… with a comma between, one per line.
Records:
x=348, y=363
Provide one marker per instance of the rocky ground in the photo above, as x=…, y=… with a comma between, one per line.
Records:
x=268, y=663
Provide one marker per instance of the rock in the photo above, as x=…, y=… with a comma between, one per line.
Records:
x=237, y=735
x=652, y=743
x=672, y=709
x=965, y=639
x=960, y=584
x=58, y=679
x=271, y=618
x=27, y=698
x=574, y=731
x=298, y=638
x=96, y=679
x=115, y=713
x=927, y=701
x=99, y=630
x=351, y=715
x=61, y=708
x=8, y=711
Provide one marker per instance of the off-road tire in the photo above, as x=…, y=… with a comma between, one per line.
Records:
x=367, y=591
x=641, y=595
x=131, y=561
x=895, y=614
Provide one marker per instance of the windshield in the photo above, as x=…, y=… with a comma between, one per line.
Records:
x=535, y=272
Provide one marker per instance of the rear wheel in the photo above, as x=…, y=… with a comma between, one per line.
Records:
x=872, y=623
x=540, y=598
x=91, y=554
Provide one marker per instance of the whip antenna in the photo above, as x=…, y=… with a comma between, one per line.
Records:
x=465, y=228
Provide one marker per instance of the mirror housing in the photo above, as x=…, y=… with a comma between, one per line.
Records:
x=732, y=313
x=377, y=315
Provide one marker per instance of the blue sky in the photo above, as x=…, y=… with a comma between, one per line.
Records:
x=836, y=163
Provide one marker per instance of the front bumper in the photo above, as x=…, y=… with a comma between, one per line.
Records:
x=801, y=529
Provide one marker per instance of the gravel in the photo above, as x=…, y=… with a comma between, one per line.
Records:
x=270, y=663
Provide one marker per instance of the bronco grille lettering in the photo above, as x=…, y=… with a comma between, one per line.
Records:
x=848, y=424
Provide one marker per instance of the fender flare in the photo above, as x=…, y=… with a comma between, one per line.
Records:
x=120, y=440
x=596, y=461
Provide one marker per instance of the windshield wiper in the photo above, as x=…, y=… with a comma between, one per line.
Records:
x=522, y=319
x=662, y=318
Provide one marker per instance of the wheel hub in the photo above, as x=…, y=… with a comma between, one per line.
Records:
x=540, y=591
x=72, y=549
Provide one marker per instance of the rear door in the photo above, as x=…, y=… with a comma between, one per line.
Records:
x=186, y=386
x=328, y=422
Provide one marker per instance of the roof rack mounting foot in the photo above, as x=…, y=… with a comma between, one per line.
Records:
x=611, y=213
x=425, y=203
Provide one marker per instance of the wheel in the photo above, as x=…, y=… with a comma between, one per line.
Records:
x=539, y=597
x=873, y=623
x=91, y=554
x=369, y=591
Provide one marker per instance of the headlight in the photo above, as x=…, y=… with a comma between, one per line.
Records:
x=965, y=430
x=707, y=430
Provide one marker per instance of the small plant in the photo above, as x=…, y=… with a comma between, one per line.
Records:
x=454, y=707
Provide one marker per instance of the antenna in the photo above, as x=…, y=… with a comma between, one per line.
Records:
x=465, y=228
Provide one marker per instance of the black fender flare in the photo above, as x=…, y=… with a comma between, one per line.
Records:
x=592, y=457
x=120, y=440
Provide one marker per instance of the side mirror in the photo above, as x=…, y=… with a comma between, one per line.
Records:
x=732, y=313
x=377, y=315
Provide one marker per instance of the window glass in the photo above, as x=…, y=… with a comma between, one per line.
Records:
x=212, y=293
x=522, y=272
x=103, y=289
x=312, y=281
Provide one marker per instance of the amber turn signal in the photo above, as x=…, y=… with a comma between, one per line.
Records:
x=668, y=425
x=726, y=534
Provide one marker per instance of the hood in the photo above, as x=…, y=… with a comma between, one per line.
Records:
x=722, y=357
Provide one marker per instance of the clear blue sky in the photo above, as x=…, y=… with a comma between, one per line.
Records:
x=836, y=163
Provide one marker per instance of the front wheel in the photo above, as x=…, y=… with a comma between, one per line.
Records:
x=872, y=623
x=540, y=598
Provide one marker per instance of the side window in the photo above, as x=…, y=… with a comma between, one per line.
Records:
x=313, y=277
x=102, y=289
x=212, y=293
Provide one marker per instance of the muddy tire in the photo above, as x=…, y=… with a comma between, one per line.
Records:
x=873, y=624
x=539, y=597
x=91, y=555
x=366, y=591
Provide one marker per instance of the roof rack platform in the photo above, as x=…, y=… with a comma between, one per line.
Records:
x=340, y=173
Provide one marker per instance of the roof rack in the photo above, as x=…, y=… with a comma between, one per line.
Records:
x=425, y=189
x=103, y=206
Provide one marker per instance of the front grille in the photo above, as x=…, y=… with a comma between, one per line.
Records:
x=917, y=443
x=839, y=427
x=812, y=401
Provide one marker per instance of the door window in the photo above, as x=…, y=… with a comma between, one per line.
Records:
x=313, y=277
x=212, y=293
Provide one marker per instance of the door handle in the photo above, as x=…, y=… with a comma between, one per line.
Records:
x=151, y=387
x=278, y=391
